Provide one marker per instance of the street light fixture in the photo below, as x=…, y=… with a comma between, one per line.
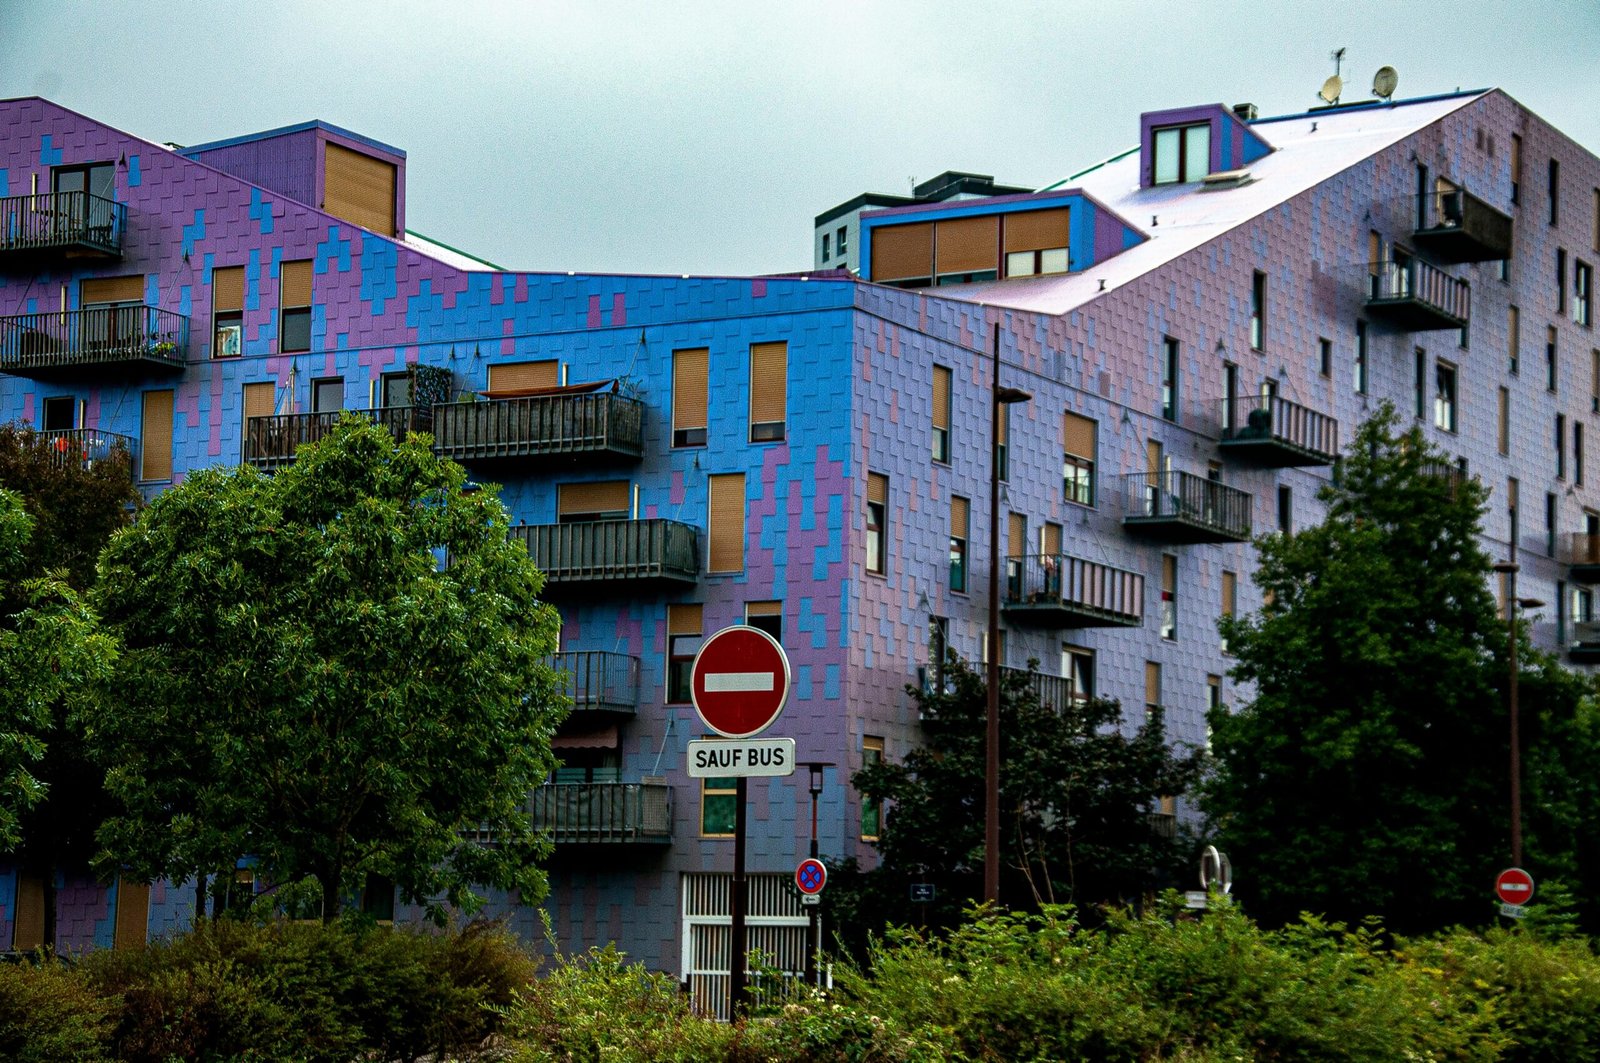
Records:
x=813, y=938
x=1001, y=396
x=1509, y=569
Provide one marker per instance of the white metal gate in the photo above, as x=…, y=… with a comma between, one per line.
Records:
x=775, y=924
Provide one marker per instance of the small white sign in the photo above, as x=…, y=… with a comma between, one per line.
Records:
x=810, y=898
x=1513, y=911
x=1196, y=899
x=712, y=758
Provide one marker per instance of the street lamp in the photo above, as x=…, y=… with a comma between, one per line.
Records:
x=991, y=770
x=1509, y=570
x=813, y=938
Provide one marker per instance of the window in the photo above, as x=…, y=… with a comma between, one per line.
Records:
x=1182, y=154
x=1514, y=337
x=1516, y=168
x=1512, y=526
x=1078, y=457
x=155, y=436
x=1169, y=596
x=259, y=400
x=1583, y=293
x=1502, y=269
x=1230, y=598
x=1561, y=446
x=1169, y=378
x=1577, y=453
x=1594, y=380
x=960, y=511
x=1594, y=236
x=938, y=651
x=1036, y=242
x=841, y=239
x=1002, y=451
x=1444, y=396
x=1550, y=359
x=825, y=245
x=689, y=395
x=871, y=810
x=1258, y=310
x=683, y=642
x=1550, y=524
x=767, y=616
x=877, y=518
x=580, y=503
x=1561, y=280
x=60, y=413
x=1152, y=688
x=769, y=379
x=294, y=306
x=227, y=311
x=1582, y=605
x=1325, y=350
x=941, y=413
x=1555, y=192
x=84, y=200
x=1230, y=396
x=1361, y=358
x=1285, y=509
x=719, y=807
x=1213, y=702
x=1077, y=667
x=327, y=395
x=1561, y=612
x=1016, y=554
x=1420, y=385
x=1503, y=434
x=725, y=523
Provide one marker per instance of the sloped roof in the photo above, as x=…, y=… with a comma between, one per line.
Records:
x=1311, y=148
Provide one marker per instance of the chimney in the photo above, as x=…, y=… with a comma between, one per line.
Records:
x=1245, y=111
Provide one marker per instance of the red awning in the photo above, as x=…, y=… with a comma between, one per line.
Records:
x=605, y=738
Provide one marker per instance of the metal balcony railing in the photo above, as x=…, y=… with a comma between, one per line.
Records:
x=604, y=812
x=1583, y=557
x=600, y=682
x=1417, y=296
x=600, y=551
x=1059, y=590
x=541, y=426
x=1053, y=691
x=1274, y=431
x=64, y=343
x=54, y=223
x=1453, y=225
x=87, y=447
x=271, y=442
x=1181, y=507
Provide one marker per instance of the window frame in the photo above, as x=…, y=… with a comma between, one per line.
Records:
x=296, y=312
x=877, y=518
x=1170, y=369
x=940, y=437
x=768, y=430
x=683, y=379
x=1258, y=311
x=871, y=808
x=1182, y=151
x=1446, y=396
x=959, y=554
x=720, y=792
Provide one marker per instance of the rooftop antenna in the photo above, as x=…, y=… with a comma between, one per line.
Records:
x=1384, y=82
x=1329, y=93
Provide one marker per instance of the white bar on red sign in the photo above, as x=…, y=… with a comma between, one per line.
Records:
x=738, y=682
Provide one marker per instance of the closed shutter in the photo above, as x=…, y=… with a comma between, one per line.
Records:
x=294, y=283
x=1230, y=592
x=902, y=251
x=1169, y=574
x=111, y=290
x=1036, y=230
x=941, y=397
x=227, y=289
x=1152, y=457
x=155, y=439
x=967, y=245
x=260, y=400
x=878, y=488
x=726, y=523
x=524, y=376
x=1016, y=534
x=606, y=496
x=960, y=512
x=769, y=371
x=358, y=188
x=1152, y=683
x=27, y=925
x=1050, y=540
x=689, y=388
x=1003, y=427
x=685, y=619
x=1077, y=434
x=133, y=915
x=763, y=609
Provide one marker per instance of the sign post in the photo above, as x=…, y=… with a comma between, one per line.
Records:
x=739, y=683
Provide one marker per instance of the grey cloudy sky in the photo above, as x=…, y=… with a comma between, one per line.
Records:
x=703, y=137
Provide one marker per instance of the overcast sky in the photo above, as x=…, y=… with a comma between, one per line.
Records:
x=703, y=137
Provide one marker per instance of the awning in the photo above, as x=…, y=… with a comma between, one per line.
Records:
x=605, y=738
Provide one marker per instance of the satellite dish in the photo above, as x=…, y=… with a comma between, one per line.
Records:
x=1384, y=82
x=1329, y=93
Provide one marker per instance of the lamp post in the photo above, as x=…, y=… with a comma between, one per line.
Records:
x=813, y=938
x=999, y=397
x=1509, y=569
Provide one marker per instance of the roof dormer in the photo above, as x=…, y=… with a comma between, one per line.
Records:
x=1183, y=146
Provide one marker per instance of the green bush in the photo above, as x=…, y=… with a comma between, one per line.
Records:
x=48, y=1015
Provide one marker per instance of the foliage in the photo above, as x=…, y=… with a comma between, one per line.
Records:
x=1076, y=792
x=1368, y=774
x=308, y=682
x=47, y=1015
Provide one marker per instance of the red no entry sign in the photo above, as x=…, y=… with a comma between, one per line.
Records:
x=810, y=876
x=740, y=681
x=1514, y=886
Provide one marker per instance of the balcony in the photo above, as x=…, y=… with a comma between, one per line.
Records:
x=1180, y=507
x=69, y=344
x=604, y=813
x=1416, y=296
x=600, y=684
x=1053, y=691
x=87, y=447
x=1585, y=645
x=627, y=552
x=1061, y=591
x=52, y=226
x=271, y=442
x=546, y=427
x=1457, y=226
x=1269, y=430
x=1583, y=557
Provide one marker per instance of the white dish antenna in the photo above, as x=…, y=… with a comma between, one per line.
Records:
x=1384, y=82
x=1329, y=93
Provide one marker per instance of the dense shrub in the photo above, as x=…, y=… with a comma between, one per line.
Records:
x=48, y=1015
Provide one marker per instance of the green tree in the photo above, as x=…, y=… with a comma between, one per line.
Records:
x=1076, y=794
x=307, y=681
x=1368, y=774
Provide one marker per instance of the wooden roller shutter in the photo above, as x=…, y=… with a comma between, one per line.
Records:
x=1077, y=436
x=689, y=388
x=27, y=924
x=227, y=289
x=941, y=397
x=1230, y=592
x=133, y=915
x=1169, y=573
x=111, y=290
x=605, y=496
x=902, y=251
x=878, y=488
x=684, y=619
x=960, y=513
x=1003, y=427
x=966, y=245
x=1016, y=535
x=294, y=284
x=524, y=376
x=1152, y=457
x=763, y=609
x=769, y=373
x=1050, y=540
x=358, y=188
x=1152, y=683
x=155, y=438
x=1036, y=230
x=260, y=400
x=725, y=520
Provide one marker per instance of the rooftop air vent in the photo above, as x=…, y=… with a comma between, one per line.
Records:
x=1216, y=182
x=1245, y=111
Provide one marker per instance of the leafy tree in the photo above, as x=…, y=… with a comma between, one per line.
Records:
x=1076, y=793
x=308, y=682
x=1368, y=774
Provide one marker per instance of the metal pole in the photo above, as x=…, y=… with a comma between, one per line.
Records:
x=991, y=765
x=736, y=905
x=1516, y=741
x=813, y=941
